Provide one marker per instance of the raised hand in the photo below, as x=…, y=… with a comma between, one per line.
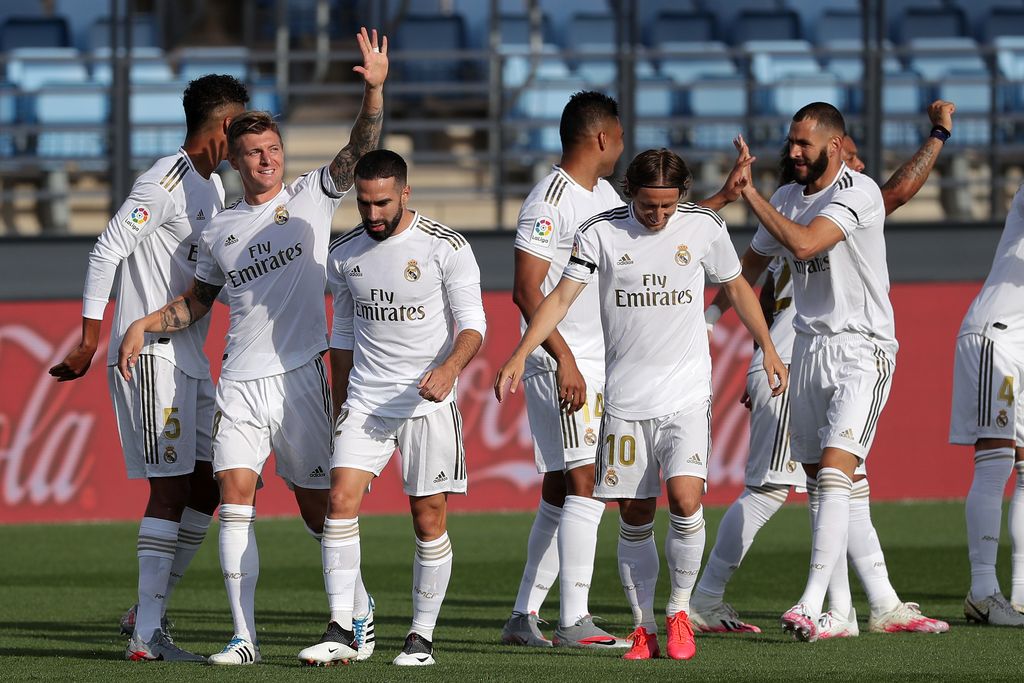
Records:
x=940, y=113
x=374, y=69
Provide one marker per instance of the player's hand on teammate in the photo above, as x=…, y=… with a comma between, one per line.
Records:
x=777, y=372
x=509, y=374
x=437, y=383
x=75, y=364
x=131, y=346
x=572, y=388
x=374, y=68
x=940, y=113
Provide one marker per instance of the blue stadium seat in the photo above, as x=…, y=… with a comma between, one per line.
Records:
x=1010, y=66
x=972, y=93
x=22, y=32
x=723, y=102
x=655, y=98
x=918, y=23
x=157, y=119
x=902, y=95
x=839, y=25
x=30, y=68
x=686, y=62
x=895, y=9
x=424, y=34
x=772, y=60
x=263, y=97
x=144, y=33
x=561, y=13
x=1003, y=22
x=813, y=13
x=516, y=31
x=594, y=35
x=548, y=63
x=677, y=28
x=71, y=104
x=728, y=11
x=148, y=65
x=846, y=60
x=199, y=61
x=765, y=25
x=978, y=12
x=80, y=15
x=543, y=101
x=933, y=58
x=8, y=117
x=787, y=95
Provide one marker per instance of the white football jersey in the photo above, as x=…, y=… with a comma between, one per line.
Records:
x=998, y=310
x=271, y=261
x=782, y=330
x=399, y=304
x=846, y=288
x=552, y=212
x=652, y=304
x=154, y=237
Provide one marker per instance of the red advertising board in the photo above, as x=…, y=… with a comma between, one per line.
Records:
x=60, y=459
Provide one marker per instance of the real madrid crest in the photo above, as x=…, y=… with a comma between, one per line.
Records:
x=170, y=455
x=611, y=478
x=682, y=255
x=1002, y=420
x=791, y=467
x=412, y=271
x=589, y=437
x=281, y=215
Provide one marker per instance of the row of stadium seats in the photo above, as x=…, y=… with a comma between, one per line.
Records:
x=66, y=96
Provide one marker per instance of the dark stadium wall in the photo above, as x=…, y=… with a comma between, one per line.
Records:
x=60, y=459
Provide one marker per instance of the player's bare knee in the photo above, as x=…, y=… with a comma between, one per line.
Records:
x=429, y=516
x=167, y=497
x=990, y=444
x=580, y=481
x=553, y=488
x=237, y=486
x=204, y=494
x=638, y=512
x=685, y=495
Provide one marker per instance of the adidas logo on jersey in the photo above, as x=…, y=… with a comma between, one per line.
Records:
x=847, y=434
x=318, y=472
x=200, y=216
x=230, y=240
x=624, y=260
x=440, y=478
x=694, y=460
x=355, y=272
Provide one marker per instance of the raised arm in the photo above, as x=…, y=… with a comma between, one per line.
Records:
x=908, y=179
x=731, y=189
x=366, y=131
x=177, y=315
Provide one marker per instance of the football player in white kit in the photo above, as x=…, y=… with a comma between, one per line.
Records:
x=564, y=380
x=268, y=253
x=165, y=414
x=408, y=317
x=988, y=414
x=770, y=470
x=653, y=256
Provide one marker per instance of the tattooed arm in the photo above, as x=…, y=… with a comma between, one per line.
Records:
x=366, y=131
x=908, y=178
x=177, y=315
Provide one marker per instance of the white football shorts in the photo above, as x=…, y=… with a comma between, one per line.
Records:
x=987, y=402
x=633, y=453
x=562, y=441
x=838, y=386
x=769, y=461
x=289, y=413
x=433, y=459
x=164, y=418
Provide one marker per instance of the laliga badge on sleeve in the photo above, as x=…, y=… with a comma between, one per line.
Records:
x=280, y=215
x=683, y=255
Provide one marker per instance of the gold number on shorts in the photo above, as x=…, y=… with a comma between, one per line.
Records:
x=172, y=425
x=1006, y=390
x=216, y=422
x=598, y=408
x=627, y=450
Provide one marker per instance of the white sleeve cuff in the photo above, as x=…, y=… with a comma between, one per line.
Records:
x=93, y=308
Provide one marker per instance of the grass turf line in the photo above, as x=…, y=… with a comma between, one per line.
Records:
x=63, y=588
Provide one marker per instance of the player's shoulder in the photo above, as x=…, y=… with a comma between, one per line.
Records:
x=853, y=180
x=342, y=243
x=437, y=231
x=692, y=210
x=607, y=217
x=164, y=177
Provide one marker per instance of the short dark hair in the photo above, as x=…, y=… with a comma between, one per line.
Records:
x=585, y=111
x=823, y=114
x=250, y=122
x=206, y=94
x=382, y=163
x=658, y=168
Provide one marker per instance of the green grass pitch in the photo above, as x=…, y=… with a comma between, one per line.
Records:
x=62, y=589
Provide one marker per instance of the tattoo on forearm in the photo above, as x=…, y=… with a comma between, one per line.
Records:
x=177, y=315
x=917, y=169
x=364, y=137
x=205, y=293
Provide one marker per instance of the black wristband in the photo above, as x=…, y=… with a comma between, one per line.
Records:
x=940, y=133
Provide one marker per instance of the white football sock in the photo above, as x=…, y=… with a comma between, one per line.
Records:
x=240, y=563
x=736, y=533
x=431, y=571
x=155, y=550
x=638, y=570
x=341, y=554
x=541, y=559
x=191, y=533
x=684, y=547
x=361, y=599
x=831, y=527
x=812, y=499
x=984, y=508
x=1017, y=535
x=577, y=544
x=865, y=552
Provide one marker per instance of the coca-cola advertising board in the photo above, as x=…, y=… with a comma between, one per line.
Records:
x=60, y=458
